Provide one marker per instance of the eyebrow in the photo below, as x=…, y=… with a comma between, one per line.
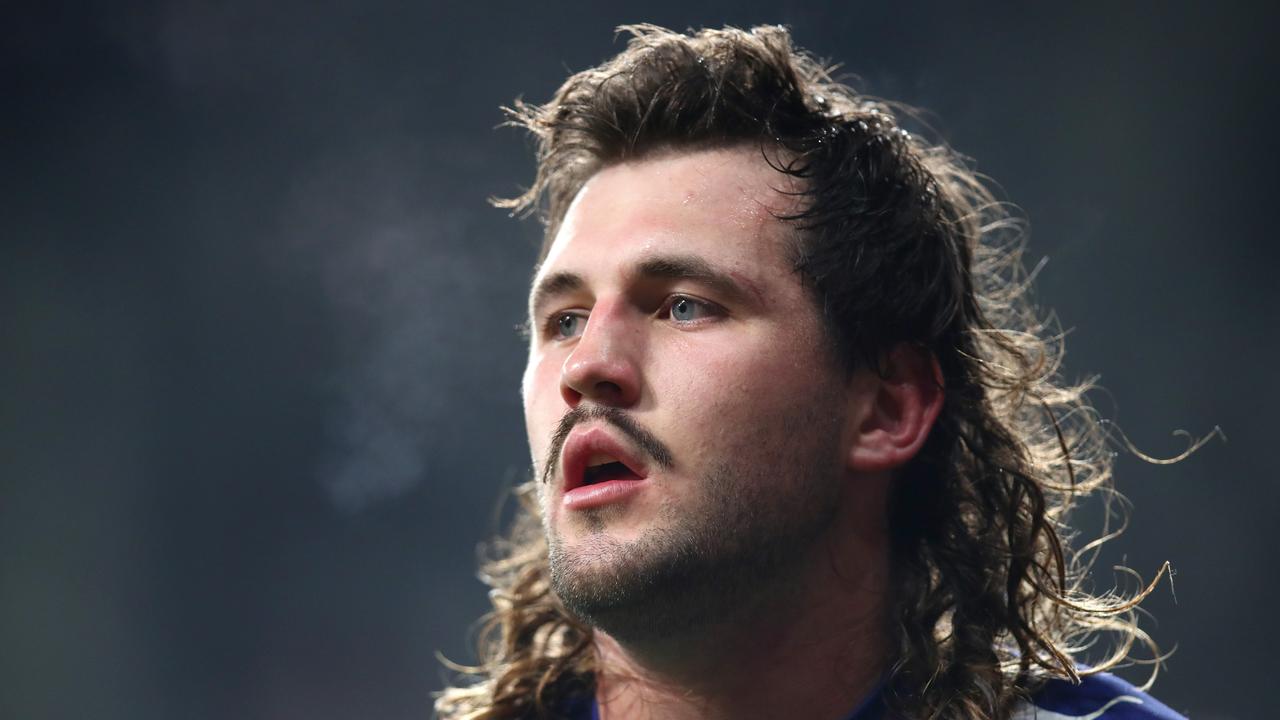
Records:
x=661, y=267
x=689, y=267
x=557, y=283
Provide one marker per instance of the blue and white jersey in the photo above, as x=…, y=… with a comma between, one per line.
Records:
x=1097, y=697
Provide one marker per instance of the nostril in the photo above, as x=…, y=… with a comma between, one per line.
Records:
x=609, y=388
x=571, y=396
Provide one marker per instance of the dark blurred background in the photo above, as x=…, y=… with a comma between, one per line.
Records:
x=258, y=372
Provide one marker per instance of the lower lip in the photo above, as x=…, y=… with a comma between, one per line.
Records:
x=605, y=493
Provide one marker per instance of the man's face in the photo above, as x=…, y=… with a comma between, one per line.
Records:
x=681, y=404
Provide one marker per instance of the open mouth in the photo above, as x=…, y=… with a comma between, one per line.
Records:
x=600, y=470
x=606, y=472
x=593, y=457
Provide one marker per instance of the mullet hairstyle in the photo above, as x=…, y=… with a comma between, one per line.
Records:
x=899, y=241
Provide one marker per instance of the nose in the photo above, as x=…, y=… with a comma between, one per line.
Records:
x=602, y=367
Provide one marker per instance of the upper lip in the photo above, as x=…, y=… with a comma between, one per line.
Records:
x=587, y=443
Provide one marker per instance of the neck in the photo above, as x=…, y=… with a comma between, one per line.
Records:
x=815, y=649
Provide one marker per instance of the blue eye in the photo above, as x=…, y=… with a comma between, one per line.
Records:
x=683, y=309
x=686, y=309
x=567, y=325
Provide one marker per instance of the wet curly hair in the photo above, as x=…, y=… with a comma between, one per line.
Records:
x=899, y=241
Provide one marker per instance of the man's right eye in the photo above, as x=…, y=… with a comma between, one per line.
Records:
x=564, y=325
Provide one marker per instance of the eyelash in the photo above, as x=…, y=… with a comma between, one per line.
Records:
x=552, y=319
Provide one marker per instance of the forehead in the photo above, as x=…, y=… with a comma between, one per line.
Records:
x=721, y=204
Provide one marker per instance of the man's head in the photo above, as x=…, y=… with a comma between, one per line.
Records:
x=762, y=307
x=672, y=332
x=805, y=236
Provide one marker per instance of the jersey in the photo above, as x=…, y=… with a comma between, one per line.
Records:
x=1098, y=697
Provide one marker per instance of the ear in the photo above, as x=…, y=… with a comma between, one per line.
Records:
x=896, y=410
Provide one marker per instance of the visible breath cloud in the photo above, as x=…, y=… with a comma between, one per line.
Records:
x=408, y=297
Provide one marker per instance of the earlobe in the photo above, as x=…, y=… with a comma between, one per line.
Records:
x=897, y=410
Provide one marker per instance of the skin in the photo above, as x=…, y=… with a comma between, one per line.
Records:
x=736, y=381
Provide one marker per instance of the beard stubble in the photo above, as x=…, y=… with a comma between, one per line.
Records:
x=756, y=517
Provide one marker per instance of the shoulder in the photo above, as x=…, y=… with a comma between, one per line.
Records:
x=1098, y=697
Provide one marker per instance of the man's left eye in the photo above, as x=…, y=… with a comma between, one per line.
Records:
x=686, y=309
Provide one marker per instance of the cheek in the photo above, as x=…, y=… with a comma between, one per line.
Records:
x=765, y=363
x=540, y=393
x=726, y=389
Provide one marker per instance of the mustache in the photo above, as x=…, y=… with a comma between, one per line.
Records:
x=637, y=434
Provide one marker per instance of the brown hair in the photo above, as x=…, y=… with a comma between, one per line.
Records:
x=899, y=241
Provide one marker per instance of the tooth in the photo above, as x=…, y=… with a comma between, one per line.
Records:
x=599, y=459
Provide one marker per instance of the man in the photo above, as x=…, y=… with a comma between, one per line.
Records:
x=799, y=445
